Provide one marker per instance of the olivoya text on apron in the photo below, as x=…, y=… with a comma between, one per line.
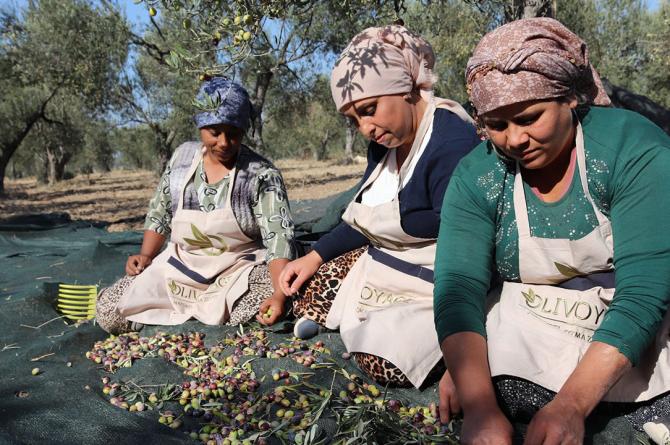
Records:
x=201, y=273
x=541, y=328
x=384, y=306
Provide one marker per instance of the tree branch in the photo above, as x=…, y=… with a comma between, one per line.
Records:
x=152, y=49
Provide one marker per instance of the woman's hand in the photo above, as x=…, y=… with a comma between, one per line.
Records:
x=483, y=421
x=271, y=310
x=487, y=426
x=298, y=271
x=136, y=264
x=448, y=398
x=152, y=243
x=559, y=422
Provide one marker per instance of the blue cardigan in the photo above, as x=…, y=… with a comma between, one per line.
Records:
x=421, y=198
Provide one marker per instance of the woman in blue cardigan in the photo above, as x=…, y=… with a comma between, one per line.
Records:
x=371, y=276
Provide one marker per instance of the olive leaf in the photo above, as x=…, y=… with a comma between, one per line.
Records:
x=567, y=271
x=529, y=296
x=198, y=234
x=203, y=241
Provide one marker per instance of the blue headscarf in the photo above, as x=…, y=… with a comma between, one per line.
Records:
x=234, y=105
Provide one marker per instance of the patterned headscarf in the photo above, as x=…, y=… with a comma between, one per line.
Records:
x=531, y=59
x=232, y=100
x=383, y=61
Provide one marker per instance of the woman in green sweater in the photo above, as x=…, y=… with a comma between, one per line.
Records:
x=565, y=193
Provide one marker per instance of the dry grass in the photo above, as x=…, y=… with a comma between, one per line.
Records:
x=121, y=197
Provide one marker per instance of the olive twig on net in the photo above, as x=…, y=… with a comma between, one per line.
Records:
x=232, y=404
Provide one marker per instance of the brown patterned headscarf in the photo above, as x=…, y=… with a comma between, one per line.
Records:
x=531, y=59
x=383, y=61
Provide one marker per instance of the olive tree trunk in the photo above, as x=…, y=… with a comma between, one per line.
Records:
x=57, y=158
x=263, y=79
x=349, y=140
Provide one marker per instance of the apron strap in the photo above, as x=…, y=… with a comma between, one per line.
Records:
x=581, y=163
x=195, y=276
x=191, y=172
x=424, y=126
x=189, y=175
x=605, y=280
x=405, y=267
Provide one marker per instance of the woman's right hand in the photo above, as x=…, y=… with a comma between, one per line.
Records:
x=487, y=426
x=449, y=404
x=298, y=271
x=136, y=264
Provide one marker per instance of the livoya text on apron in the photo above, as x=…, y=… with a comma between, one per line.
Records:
x=384, y=306
x=541, y=327
x=201, y=273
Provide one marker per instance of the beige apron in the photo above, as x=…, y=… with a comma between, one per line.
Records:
x=540, y=331
x=201, y=273
x=384, y=306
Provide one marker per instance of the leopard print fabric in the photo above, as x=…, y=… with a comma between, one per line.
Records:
x=260, y=288
x=380, y=370
x=244, y=309
x=316, y=296
x=106, y=315
x=315, y=299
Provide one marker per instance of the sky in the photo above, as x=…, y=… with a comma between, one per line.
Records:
x=138, y=13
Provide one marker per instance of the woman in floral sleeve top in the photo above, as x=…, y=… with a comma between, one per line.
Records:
x=224, y=211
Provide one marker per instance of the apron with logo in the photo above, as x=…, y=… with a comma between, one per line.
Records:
x=384, y=306
x=201, y=273
x=541, y=328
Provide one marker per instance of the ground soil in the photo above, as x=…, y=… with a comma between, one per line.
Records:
x=121, y=197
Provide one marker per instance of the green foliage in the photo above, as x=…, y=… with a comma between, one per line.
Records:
x=453, y=29
x=63, y=78
x=156, y=98
x=623, y=54
x=305, y=124
x=261, y=42
x=71, y=45
x=657, y=40
x=230, y=32
x=627, y=44
x=134, y=147
x=60, y=61
x=582, y=18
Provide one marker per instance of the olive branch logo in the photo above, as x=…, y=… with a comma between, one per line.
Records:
x=204, y=242
x=530, y=296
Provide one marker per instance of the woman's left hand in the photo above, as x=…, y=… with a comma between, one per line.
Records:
x=271, y=310
x=558, y=423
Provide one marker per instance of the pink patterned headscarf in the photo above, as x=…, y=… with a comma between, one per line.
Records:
x=383, y=61
x=531, y=59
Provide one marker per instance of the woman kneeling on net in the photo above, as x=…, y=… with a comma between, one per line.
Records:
x=225, y=211
x=372, y=275
x=568, y=204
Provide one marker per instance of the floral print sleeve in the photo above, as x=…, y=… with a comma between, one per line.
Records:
x=273, y=214
x=159, y=216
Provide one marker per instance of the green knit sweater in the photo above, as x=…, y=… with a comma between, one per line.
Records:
x=628, y=171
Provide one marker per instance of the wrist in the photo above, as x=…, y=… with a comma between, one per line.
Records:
x=279, y=296
x=315, y=257
x=574, y=404
x=481, y=407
